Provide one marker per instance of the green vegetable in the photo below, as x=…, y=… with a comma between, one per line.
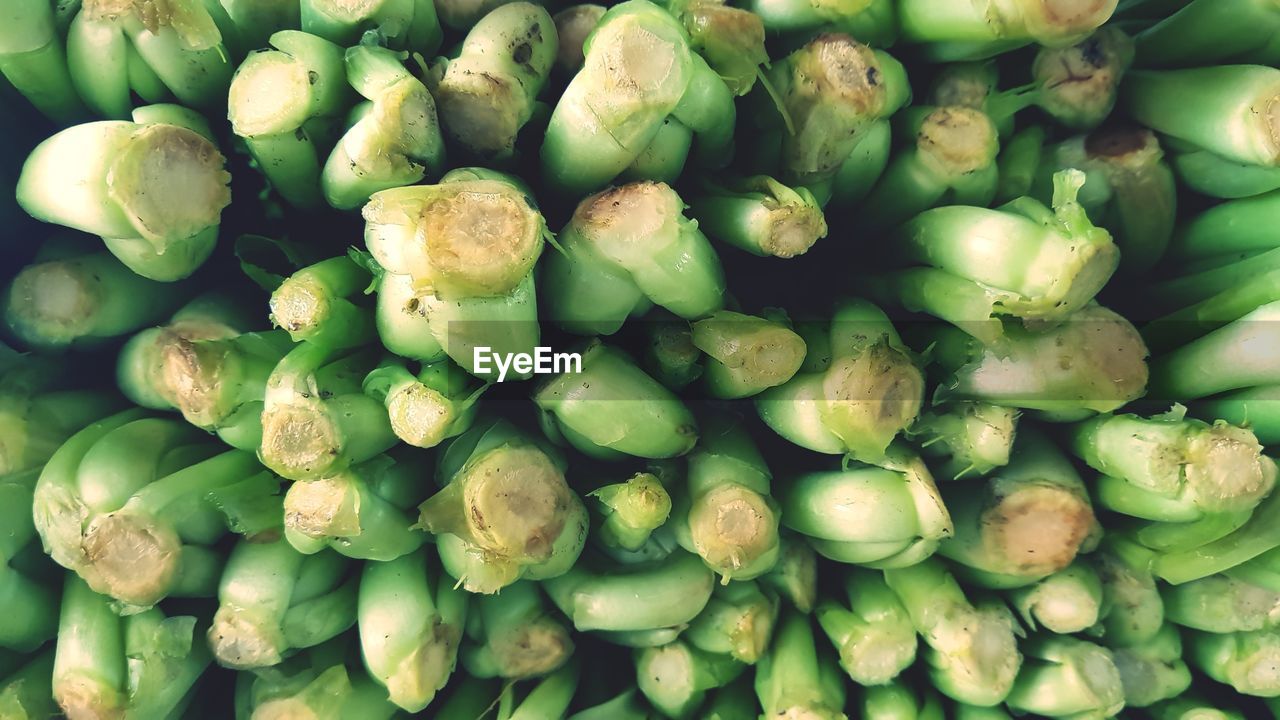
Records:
x=396, y=24
x=793, y=679
x=738, y=621
x=970, y=31
x=1066, y=677
x=514, y=636
x=965, y=438
x=1066, y=602
x=632, y=598
x=676, y=678
x=873, y=633
x=760, y=215
x=153, y=189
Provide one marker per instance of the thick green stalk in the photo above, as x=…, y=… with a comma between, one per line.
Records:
x=426, y=409
x=760, y=215
x=506, y=502
x=152, y=189
x=1129, y=190
x=32, y=603
x=1023, y=260
x=1066, y=677
x=287, y=104
x=858, y=389
x=550, y=698
x=365, y=512
x=1222, y=604
x=315, y=304
x=873, y=633
x=394, y=138
x=514, y=636
x=82, y=301
x=897, y=701
x=1152, y=671
x=1194, y=708
x=795, y=577
x=411, y=619
x=35, y=420
x=889, y=516
x=316, y=421
x=970, y=31
x=272, y=599
x=1253, y=539
x=730, y=38
x=611, y=408
x=738, y=621
x=1236, y=114
x=625, y=706
x=670, y=356
x=1132, y=611
x=724, y=512
x=631, y=510
x=973, y=655
x=624, y=249
x=832, y=92
x=34, y=62
x=1019, y=162
x=676, y=678
x=1094, y=362
x=1255, y=408
x=399, y=25
x=27, y=694
x=117, y=50
x=1247, y=661
x=487, y=92
x=631, y=598
x=1078, y=85
x=638, y=70
x=1209, y=33
x=735, y=700
x=1068, y=601
x=952, y=161
x=1238, y=355
x=573, y=25
x=1230, y=230
x=1174, y=469
x=746, y=355
x=965, y=439
x=1213, y=175
x=1027, y=521
x=794, y=680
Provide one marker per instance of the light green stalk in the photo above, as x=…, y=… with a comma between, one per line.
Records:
x=316, y=420
x=34, y=62
x=1253, y=539
x=625, y=249
x=1236, y=114
x=795, y=576
x=425, y=409
x=794, y=680
x=951, y=162
x=487, y=92
x=670, y=356
x=550, y=698
x=948, y=32
x=858, y=389
x=1094, y=362
x=1213, y=175
x=1222, y=604
x=746, y=355
x=364, y=512
x=1255, y=408
x=1247, y=661
x=1022, y=260
x=272, y=599
x=973, y=654
x=573, y=25
x=730, y=38
x=1174, y=469
x=676, y=678
x=890, y=516
x=508, y=508
x=315, y=304
x=1152, y=671
x=1132, y=610
x=394, y=138
x=153, y=189
x=27, y=694
x=965, y=439
x=411, y=619
x=120, y=48
x=1129, y=190
x=1027, y=521
x=1236, y=356
x=631, y=510
x=1208, y=33
x=31, y=603
x=832, y=92
x=123, y=504
x=873, y=633
x=1063, y=677
x=1068, y=601
x=638, y=71
x=398, y=24
x=760, y=215
x=514, y=636
x=897, y=701
x=287, y=104
x=649, y=596
x=38, y=414
x=724, y=512
x=611, y=408
x=738, y=621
